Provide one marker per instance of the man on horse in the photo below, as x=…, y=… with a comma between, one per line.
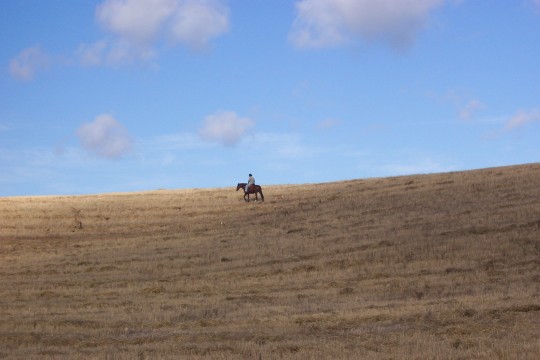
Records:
x=251, y=181
x=250, y=188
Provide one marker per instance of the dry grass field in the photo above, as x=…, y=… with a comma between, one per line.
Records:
x=443, y=266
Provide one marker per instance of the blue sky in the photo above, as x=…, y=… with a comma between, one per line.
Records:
x=126, y=95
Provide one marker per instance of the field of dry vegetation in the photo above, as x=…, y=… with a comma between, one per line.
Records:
x=443, y=266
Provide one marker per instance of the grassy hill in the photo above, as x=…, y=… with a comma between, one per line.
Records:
x=443, y=266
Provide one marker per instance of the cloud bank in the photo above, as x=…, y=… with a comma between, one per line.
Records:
x=105, y=137
x=225, y=127
x=326, y=23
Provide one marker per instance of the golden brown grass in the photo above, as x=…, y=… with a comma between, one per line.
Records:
x=442, y=266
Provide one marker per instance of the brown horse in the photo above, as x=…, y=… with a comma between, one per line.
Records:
x=253, y=189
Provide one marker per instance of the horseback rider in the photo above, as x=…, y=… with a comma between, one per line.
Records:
x=251, y=181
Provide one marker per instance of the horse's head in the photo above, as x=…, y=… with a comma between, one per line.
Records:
x=238, y=187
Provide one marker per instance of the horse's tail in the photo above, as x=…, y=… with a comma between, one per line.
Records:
x=260, y=191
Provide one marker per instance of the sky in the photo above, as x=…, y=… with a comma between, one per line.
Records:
x=100, y=96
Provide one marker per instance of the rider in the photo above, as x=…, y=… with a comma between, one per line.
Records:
x=251, y=181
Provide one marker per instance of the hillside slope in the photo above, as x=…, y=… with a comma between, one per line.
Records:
x=442, y=266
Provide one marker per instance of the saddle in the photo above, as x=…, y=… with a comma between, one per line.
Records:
x=251, y=188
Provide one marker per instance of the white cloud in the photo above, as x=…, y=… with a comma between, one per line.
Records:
x=469, y=109
x=138, y=21
x=196, y=22
x=323, y=23
x=225, y=127
x=105, y=137
x=137, y=25
x=28, y=62
x=92, y=54
x=521, y=118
